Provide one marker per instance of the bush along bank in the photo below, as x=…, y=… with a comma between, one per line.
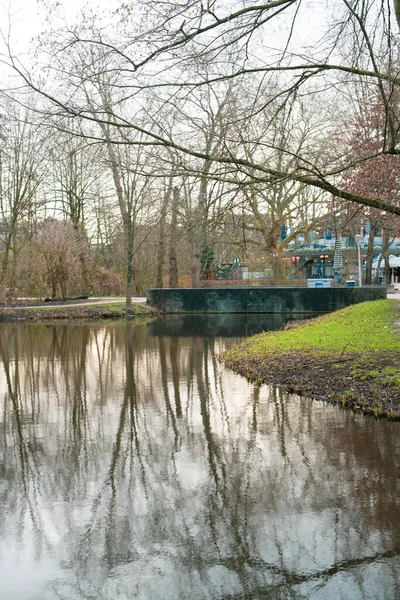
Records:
x=350, y=357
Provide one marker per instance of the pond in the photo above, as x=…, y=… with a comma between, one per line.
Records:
x=133, y=465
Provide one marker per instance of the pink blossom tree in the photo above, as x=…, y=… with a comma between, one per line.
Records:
x=373, y=174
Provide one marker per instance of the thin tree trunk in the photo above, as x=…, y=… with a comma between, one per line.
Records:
x=397, y=10
x=385, y=254
x=161, y=239
x=7, y=249
x=370, y=256
x=5, y=258
x=161, y=250
x=82, y=257
x=126, y=218
x=199, y=227
x=173, y=263
x=129, y=268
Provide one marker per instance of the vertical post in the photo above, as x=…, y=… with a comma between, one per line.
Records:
x=236, y=267
x=358, y=242
x=323, y=257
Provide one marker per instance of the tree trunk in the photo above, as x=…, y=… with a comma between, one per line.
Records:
x=129, y=268
x=161, y=239
x=196, y=269
x=280, y=267
x=173, y=263
x=385, y=254
x=126, y=218
x=397, y=10
x=200, y=227
x=370, y=256
x=6, y=251
x=161, y=251
x=82, y=257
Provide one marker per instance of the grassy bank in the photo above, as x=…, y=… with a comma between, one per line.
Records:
x=79, y=311
x=351, y=357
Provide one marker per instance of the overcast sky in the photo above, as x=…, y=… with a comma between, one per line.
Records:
x=21, y=21
x=26, y=19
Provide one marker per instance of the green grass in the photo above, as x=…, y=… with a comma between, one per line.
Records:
x=98, y=310
x=364, y=327
x=350, y=357
x=94, y=305
x=358, y=328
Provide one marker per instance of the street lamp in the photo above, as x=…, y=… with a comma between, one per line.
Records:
x=323, y=257
x=358, y=239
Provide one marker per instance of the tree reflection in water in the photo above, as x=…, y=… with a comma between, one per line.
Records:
x=135, y=466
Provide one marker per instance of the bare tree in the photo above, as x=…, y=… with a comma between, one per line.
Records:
x=21, y=162
x=75, y=167
x=188, y=56
x=162, y=230
x=173, y=238
x=213, y=33
x=59, y=253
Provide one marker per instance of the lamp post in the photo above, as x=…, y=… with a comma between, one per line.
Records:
x=236, y=268
x=323, y=257
x=358, y=242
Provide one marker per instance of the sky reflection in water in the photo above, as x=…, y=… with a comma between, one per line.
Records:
x=134, y=466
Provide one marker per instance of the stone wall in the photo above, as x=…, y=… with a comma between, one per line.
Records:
x=261, y=299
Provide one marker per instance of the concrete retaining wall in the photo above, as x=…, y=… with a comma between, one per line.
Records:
x=261, y=299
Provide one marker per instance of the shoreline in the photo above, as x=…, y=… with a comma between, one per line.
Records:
x=366, y=381
x=333, y=383
x=96, y=311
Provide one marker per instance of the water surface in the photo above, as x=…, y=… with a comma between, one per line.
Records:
x=133, y=465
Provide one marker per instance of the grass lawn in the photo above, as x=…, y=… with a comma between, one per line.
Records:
x=351, y=356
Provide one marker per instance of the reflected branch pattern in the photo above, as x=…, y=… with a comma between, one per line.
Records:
x=134, y=465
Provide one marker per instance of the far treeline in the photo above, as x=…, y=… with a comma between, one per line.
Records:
x=148, y=140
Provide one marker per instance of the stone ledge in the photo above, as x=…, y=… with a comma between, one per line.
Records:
x=260, y=299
